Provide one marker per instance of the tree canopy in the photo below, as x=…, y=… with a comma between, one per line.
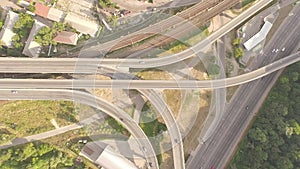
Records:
x=34, y=156
x=273, y=141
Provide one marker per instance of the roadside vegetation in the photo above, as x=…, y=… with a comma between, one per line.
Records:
x=37, y=156
x=24, y=118
x=22, y=29
x=108, y=4
x=273, y=139
x=153, y=128
x=238, y=50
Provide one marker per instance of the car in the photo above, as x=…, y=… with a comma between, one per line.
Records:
x=273, y=50
x=141, y=62
x=14, y=92
x=283, y=49
x=276, y=50
x=247, y=107
x=150, y=164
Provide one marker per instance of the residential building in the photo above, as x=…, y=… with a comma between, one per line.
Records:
x=65, y=37
x=32, y=48
x=41, y=10
x=49, y=12
x=82, y=25
x=7, y=33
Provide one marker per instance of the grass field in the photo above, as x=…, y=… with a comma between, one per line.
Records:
x=23, y=118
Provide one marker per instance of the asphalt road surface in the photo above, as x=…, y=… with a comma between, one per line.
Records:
x=86, y=65
x=220, y=146
x=152, y=84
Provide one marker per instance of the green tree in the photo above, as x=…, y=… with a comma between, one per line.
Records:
x=238, y=52
x=1, y=24
x=31, y=8
x=213, y=69
x=237, y=41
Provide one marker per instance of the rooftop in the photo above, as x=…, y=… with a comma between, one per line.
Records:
x=41, y=10
x=82, y=25
x=32, y=48
x=66, y=38
x=259, y=37
x=7, y=33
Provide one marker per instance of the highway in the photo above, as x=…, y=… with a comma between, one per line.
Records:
x=93, y=101
x=176, y=140
x=149, y=84
x=167, y=60
x=219, y=147
x=134, y=84
x=70, y=63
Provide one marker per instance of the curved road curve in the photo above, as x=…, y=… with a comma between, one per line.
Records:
x=88, y=99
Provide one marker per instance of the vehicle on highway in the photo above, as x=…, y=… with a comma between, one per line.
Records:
x=247, y=107
x=14, y=92
x=141, y=62
x=283, y=49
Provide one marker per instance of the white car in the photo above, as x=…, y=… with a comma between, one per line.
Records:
x=276, y=50
x=283, y=49
x=273, y=50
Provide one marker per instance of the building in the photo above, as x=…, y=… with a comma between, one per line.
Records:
x=82, y=25
x=7, y=33
x=65, y=37
x=259, y=37
x=49, y=12
x=32, y=48
x=56, y=15
x=41, y=10
x=101, y=154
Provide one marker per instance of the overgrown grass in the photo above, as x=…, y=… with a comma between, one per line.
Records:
x=23, y=118
x=152, y=128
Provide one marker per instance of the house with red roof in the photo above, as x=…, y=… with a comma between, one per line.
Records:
x=65, y=37
x=41, y=10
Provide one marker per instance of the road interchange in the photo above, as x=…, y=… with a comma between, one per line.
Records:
x=118, y=83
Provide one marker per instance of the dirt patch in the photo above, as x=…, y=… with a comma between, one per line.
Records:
x=230, y=92
x=173, y=100
x=154, y=75
x=190, y=142
x=103, y=93
x=167, y=160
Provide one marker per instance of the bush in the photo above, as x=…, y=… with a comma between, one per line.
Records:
x=238, y=52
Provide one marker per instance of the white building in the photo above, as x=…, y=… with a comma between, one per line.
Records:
x=259, y=37
x=7, y=33
x=106, y=157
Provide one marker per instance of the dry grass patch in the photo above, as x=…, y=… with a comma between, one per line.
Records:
x=173, y=100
